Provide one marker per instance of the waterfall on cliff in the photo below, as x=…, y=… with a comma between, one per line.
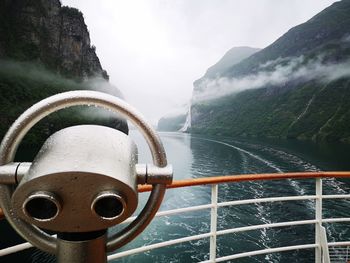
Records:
x=187, y=123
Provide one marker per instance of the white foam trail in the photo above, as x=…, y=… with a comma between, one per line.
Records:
x=335, y=184
x=290, y=158
x=263, y=215
x=268, y=163
x=264, y=237
x=299, y=190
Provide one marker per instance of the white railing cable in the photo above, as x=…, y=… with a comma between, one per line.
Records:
x=158, y=245
x=272, y=225
x=336, y=220
x=340, y=244
x=268, y=199
x=265, y=251
x=14, y=249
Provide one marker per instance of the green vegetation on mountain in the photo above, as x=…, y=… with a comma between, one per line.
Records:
x=22, y=84
x=298, y=87
x=45, y=49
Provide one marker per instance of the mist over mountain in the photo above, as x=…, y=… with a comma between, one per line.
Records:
x=298, y=87
x=45, y=49
x=175, y=122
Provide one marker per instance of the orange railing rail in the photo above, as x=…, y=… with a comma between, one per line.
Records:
x=247, y=177
x=242, y=178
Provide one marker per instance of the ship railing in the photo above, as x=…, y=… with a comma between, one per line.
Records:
x=325, y=252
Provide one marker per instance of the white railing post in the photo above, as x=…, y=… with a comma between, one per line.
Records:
x=213, y=222
x=318, y=224
x=324, y=245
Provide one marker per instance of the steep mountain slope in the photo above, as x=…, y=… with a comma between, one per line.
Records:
x=175, y=122
x=45, y=49
x=298, y=87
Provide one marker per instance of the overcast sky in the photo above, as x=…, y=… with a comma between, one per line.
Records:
x=153, y=50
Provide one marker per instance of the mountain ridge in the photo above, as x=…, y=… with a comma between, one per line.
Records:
x=230, y=58
x=295, y=88
x=324, y=27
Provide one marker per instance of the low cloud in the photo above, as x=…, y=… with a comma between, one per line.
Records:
x=177, y=111
x=273, y=73
x=102, y=85
x=37, y=73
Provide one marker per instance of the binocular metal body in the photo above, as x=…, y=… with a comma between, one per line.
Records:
x=83, y=179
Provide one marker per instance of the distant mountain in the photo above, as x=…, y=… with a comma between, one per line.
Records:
x=171, y=123
x=45, y=49
x=231, y=58
x=298, y=87
x=176, y=122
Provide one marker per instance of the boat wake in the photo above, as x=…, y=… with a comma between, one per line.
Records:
x=211, y=157
x=268, y=163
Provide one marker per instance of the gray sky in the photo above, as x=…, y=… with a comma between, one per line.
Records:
x=153, y=50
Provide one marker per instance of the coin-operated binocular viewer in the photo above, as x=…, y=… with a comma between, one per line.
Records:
x=83, y=181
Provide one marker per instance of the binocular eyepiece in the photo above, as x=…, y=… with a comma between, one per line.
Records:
x=108, y=205
x=44, y=206
x=83, y=179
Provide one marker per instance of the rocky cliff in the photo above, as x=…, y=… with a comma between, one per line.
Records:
x=46, y=32
x=45, y=49
x=298, y=87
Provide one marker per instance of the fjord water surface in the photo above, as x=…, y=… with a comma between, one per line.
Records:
x=195, y=156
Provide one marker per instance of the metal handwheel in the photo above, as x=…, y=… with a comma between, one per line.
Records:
x=19, y=207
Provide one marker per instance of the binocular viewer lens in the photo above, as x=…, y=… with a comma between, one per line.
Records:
x=42, y=206
x=108, y=205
